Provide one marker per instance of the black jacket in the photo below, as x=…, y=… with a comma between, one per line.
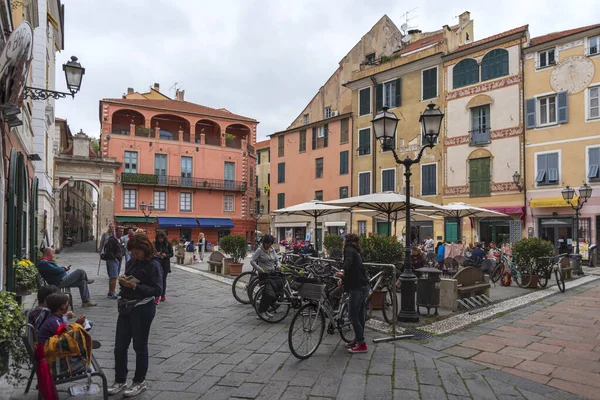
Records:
x=167, y=248
x=149, y=273
x=354, y=270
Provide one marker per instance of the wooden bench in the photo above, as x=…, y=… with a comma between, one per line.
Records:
x=467, y=282
x=215, y=262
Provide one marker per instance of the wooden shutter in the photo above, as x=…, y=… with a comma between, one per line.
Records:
x=479, y=177
x=594, y=162
x=325, y=135
x=280, y=172
x=563, y=109
x=387, y=180
x=542, y=167
x=398, y=99
x=314, y=138
x=365, y=101
x=343, y=162
x=428, y=180
x=451, y=231
x=553, y=168
x=364, y=142
x=429, y=83
x=530, y=112
x=379, y=97
x=364, y=184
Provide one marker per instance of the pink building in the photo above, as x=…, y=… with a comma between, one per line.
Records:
x=194, y=163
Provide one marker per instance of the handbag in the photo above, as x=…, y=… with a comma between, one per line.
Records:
x=125, y=307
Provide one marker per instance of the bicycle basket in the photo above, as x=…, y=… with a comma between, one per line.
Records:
x=311, y=291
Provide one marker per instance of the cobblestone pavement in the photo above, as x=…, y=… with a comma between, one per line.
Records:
x=205, y=345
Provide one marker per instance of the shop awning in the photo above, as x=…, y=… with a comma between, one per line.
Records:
x=173, y=222
x=335, y=223
x=121, y=218
x=291, y=224
x=550, y=202
x=215, y=223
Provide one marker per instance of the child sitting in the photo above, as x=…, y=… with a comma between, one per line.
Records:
x=58, y=306
x=37, y=315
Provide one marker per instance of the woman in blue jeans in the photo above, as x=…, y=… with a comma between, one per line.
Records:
x=137, y=308
x=356, y=284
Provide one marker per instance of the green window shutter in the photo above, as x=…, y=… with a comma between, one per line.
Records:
x=451, y=231
x=344, y=162
x=364, y=107
x=428, y=180
x=429, y=82
x=379, y=97
x=563, y=109
x=464, y=73
x=302, y=141
x=530, y=113
x=280, y=200
x=387, y=180
x=364, y=142
x=325, y=135
x=314, y=138
x=281, y=173
x=398, y=99
x=494, y=64
x=479, y=177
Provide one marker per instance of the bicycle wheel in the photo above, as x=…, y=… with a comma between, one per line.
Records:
x=387, y=306
x=560, y=279
x=368, y=310
x=306, y=331
x=522, y=279
x=344, y=325
x=253, y=287
x=543, y=279
x=276, y=312
x=497, y=272
x=239, y=287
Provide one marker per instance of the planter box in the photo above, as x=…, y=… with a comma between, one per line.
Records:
x=533, y=284
x=377, y=299
x=235, y=269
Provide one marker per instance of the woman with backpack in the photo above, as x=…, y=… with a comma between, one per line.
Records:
x=164, y=252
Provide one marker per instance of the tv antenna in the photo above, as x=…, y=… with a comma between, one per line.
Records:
x=176, y=86
x=405, y=27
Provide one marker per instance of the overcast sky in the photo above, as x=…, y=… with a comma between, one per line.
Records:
x=263, y=59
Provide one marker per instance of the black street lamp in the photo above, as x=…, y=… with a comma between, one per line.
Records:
x=146, y=214
x=585, y=192
x=73, y=74
x=517, y=180
x=256, y=216
x=384, y=125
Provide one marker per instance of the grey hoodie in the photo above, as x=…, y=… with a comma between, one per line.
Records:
x=266, y=261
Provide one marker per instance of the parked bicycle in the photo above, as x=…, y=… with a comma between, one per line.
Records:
x=383, y=280
x=506, y=271
x=552, y=265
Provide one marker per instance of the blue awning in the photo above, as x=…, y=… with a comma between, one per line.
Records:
x=172, y=222
x=215, y=223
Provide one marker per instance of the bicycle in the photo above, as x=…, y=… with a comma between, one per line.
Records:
x=308, y=325
x=545, y=272
x=507, y=270
x=241, y=284
x=381, y=280
x=280, y=307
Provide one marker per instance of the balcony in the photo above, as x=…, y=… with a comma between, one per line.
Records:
x=480, y=137
x=182, y=182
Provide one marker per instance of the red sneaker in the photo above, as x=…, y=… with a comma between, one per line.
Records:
x=351, y=345
x=163, y=298
x=359, y=349
x=156, y=300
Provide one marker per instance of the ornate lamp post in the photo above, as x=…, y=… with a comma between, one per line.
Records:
x=146, y=214
x=384, y=125
x=517, y=180
x=585, y=192
x=73, y=74
x=256, y=215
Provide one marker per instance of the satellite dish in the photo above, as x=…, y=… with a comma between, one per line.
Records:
x=404, y=27
x=406, y=39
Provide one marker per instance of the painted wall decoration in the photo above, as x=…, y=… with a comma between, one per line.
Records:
x=484, y=87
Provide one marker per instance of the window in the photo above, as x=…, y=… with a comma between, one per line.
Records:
x=548, y=110
x=480, y=125
x=370, y=58
x=344, y=130
x=362, y=227
x=364, y=141
x=305, y=119
x=429, y=180
x=251, y=177
x=593, y=102
x=319, y=195
x=480, y=177
x=160, y=168
x=319, y=168
x=494, y=64
x=389, y=94
x=546, y=58
x=594, y=45
x=229, y=174
x=185, y=201
x=281, y=172
x=321, y=132
x=547, y=169
x=160, y=200
x=269, y=179
x=344, y=162
x=280, y=200
x=302, y=146
x=465, y=72
x=258, y=154
x=280, y=144
x=228, y=203
x=131, y=162
x=364, y=101
x=593, y=163
x=429, y=84
x=327, y=113
x=388, y=180
x=344, y=192
x=364, y=183
x=186, y=171
x=129, y=199
x=269, y=155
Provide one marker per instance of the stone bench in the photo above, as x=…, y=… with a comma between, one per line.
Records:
x=215, y=262
x=467, y=282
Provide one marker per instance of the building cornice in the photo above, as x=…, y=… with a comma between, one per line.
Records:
x=312, y=124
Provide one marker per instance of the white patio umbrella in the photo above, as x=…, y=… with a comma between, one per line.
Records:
x=418, y=215
x=459, y=210
x=313, y=208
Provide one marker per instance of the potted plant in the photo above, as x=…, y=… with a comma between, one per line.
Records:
x=12, y=321
x=26, y=276
x=237, y=249
x=334, y=245
x=229, y=138
x=527, y=253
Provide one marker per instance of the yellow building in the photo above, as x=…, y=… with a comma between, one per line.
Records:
x=405, y=82
x=483, y=136
x=562, y=136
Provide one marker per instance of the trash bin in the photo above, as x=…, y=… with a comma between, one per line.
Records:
x=593, y=255
x=576, y=263
x=428, y=289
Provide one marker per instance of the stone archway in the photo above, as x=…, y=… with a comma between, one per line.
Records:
x=79, y=163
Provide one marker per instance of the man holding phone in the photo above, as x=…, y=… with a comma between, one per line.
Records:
x=61, y=277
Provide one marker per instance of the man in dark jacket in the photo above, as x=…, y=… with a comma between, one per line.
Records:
x=113, y=254
x=59, y=276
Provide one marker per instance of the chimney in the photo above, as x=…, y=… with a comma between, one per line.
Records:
x=464, y=18
x=156, y=87
x=179, y=94
x=129, y=90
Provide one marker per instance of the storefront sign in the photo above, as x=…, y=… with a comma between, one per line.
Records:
x=15, y=61
x=551, y=202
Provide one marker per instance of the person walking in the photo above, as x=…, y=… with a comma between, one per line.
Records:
x=113, y=255
x=164, y=252
x=137, y=309
x=110, y=232
x=124, y=241
x=201, y=245
x=355, y=283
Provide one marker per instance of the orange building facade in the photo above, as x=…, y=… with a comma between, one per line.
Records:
x=195, y=164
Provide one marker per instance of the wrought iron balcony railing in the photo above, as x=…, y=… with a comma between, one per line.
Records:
x=183, y=182
x=480, y=136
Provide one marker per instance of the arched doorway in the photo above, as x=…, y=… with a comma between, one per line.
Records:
x=78, y=209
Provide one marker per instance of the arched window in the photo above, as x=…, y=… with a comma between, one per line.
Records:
x=466, y=72
x=494, y=64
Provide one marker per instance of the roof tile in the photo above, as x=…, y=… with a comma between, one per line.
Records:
x=423, y=42
x=492, y=38
x=557, y=35
x=265, y=144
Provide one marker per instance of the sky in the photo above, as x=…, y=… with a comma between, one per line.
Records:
x=263, y=59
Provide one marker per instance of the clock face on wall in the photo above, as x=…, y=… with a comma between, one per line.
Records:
x=572, y=74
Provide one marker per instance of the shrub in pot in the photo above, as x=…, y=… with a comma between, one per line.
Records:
x=334, y=245
x=26, y=276
x=12, y=321
x=529, y=253
x=236, y=247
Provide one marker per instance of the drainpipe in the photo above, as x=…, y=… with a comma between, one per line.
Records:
x=523, y=120
x=374, y=150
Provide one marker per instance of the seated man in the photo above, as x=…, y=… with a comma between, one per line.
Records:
x=478, y=253
x=58, y=276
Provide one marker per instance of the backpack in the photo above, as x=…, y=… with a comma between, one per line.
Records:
x=190, y=247
x=70, y=352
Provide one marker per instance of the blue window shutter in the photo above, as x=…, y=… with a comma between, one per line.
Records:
x=314, y=138
x=553, y=168
x=325, y=135
x=542, y=167
x=398, y=100
x=563, y=109
x=530, y=112
x=594, y=163
x=379, y=97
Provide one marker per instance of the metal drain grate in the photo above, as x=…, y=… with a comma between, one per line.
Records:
x=417, y=335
